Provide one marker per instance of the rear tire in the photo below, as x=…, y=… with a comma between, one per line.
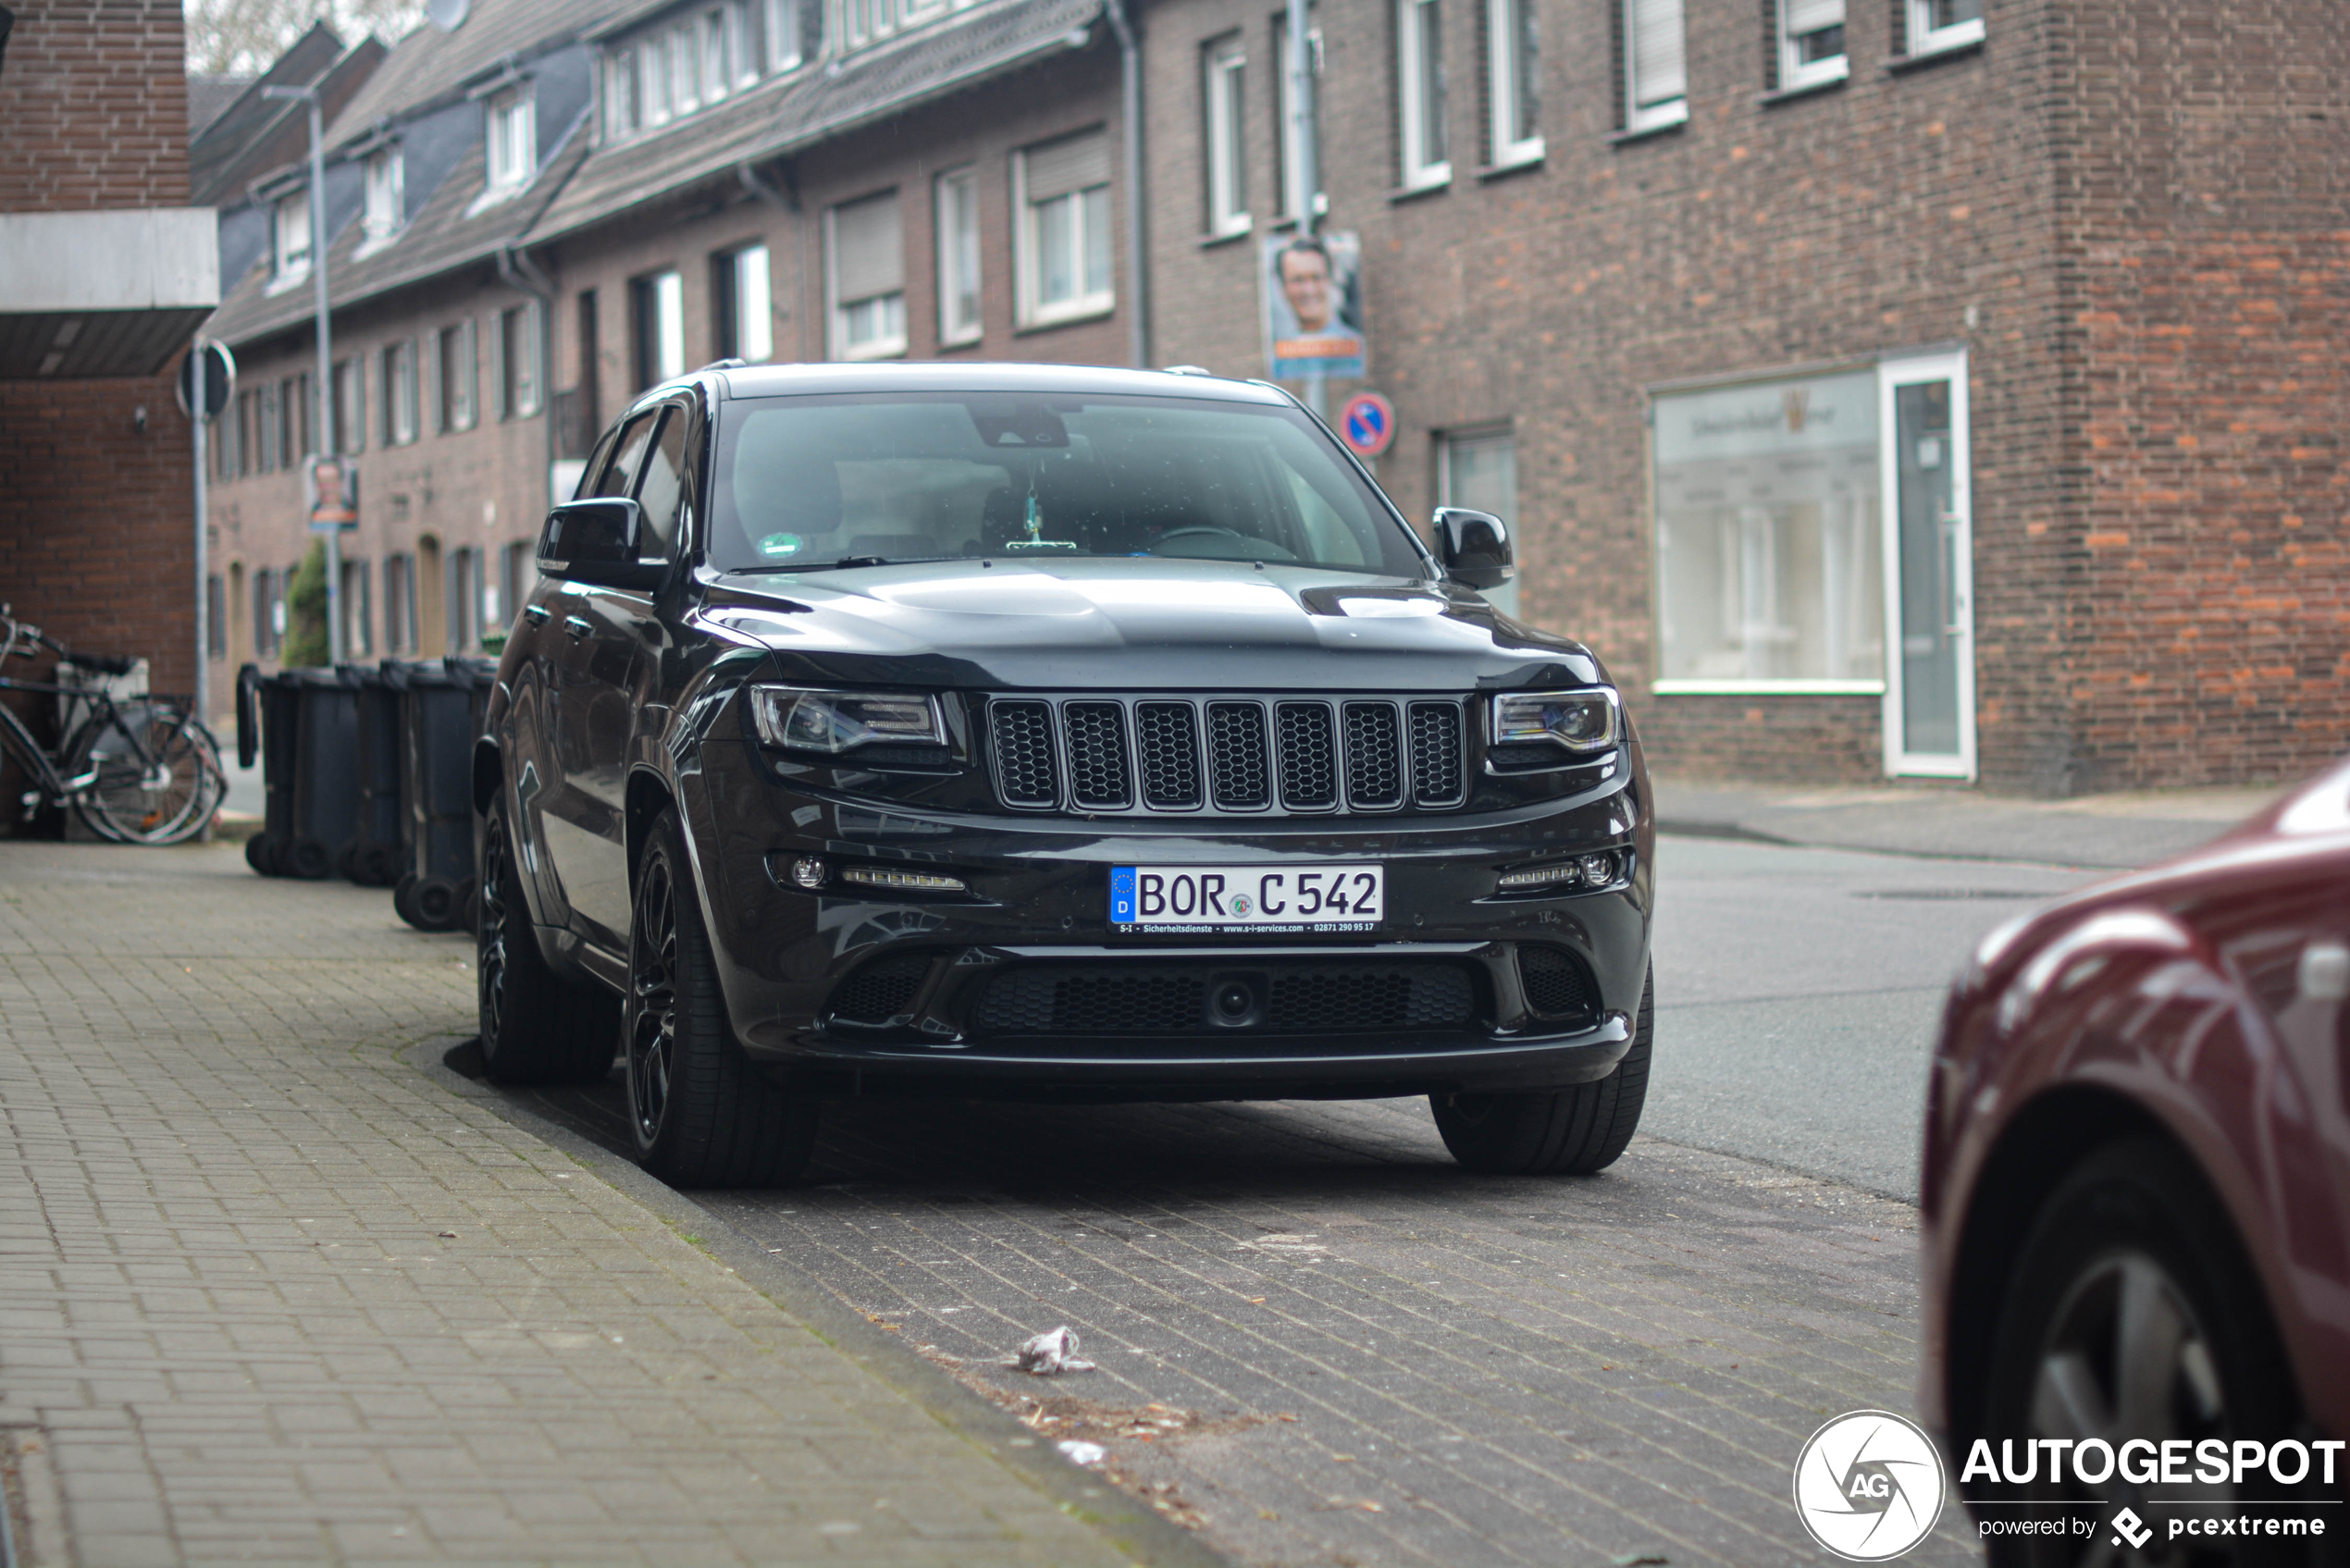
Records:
x=2132, y=1313
x=701, y=1114
x=535, y=1026
x=1562, y=1131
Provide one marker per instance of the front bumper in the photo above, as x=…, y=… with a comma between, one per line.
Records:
x=874, y=992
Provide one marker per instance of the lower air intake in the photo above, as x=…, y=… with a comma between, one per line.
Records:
x=1557, y=984
x=881, y=991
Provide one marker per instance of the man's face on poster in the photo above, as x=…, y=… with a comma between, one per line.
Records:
x=1306, y=282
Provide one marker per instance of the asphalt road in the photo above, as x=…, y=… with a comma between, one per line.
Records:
x=1797, y=992
x=1318, y=1342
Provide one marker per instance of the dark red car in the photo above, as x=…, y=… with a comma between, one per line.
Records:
x=2136, y=1209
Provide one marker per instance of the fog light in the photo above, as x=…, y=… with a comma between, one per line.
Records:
x=1598, y=870
x=910, y=881
x=809, y=873
x=1567, y=873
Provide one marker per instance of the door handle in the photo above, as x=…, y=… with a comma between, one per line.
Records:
x=535, y=613
x=576, y=626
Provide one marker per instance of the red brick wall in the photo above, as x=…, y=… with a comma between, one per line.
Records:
x=1899, y=211
x=97, y=521
x=2205, y=600
x=93, y=98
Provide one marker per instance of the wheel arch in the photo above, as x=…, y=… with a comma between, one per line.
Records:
x=648, y=795
x=2040, y=1145
x=489, y=773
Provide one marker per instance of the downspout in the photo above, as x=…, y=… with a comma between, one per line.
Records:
x=786, y=200
x=1130, y=61
x=518, y=271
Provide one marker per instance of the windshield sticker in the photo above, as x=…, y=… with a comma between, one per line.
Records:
x=775, y=546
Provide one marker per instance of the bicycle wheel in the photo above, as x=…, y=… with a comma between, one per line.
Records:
x=154, y=774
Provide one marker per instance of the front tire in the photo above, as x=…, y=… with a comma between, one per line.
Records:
x=1562, y=1131
x=2132, y=1313
x=701, y=1114
x=537, y=1028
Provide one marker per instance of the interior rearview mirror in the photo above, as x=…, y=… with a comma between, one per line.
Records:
x=1473, y=547
x=599, y=541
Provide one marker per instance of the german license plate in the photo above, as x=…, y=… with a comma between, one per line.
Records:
x=1266, y=900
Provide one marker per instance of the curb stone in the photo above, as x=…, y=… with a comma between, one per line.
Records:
x=1130, y=1528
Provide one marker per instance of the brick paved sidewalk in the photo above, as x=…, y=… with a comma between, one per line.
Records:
x=268, y=1293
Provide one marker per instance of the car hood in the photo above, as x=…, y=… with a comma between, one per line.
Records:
x=1146, y=623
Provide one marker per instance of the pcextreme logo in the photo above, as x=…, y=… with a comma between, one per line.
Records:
x=1869, y=1486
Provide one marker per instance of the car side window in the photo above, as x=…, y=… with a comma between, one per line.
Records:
x=662, y=489
x=628, y=454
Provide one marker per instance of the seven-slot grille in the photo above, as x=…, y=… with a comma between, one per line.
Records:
x=1227, y=754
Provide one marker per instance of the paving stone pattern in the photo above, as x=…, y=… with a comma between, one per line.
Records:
x=270, y=1294
x=1543, y=1372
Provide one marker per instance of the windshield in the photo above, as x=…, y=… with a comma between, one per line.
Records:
x=806, y=482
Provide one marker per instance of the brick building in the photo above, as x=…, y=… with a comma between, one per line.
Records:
x=105, y=272
x=1946, y=388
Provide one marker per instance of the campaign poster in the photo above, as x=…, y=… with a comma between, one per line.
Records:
x=1313, y=305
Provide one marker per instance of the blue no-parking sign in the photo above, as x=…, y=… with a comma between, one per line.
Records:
x=1367, y=423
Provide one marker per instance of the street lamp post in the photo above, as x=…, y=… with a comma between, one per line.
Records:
x=1300, y=108
x=326, y=441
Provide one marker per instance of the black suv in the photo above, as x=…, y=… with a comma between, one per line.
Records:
x=1027, y=731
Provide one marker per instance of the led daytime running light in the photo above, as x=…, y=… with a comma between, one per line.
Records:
x=908, y=882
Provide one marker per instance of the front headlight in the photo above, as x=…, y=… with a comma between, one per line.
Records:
x=1579, y=720
x=836, y=721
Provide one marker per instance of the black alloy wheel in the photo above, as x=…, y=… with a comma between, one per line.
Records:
x=701, y=1115
x=2132, y=1313
x=1571, y=1131
x=537, y=1028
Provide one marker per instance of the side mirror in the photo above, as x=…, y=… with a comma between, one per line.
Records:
x=596, y=541
x=1473, y=547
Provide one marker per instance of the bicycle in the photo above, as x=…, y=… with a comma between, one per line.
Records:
x=144, y=770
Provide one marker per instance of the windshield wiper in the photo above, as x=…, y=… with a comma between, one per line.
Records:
x=844, y=561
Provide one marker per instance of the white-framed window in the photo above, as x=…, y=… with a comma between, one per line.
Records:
x=1224, y=100
x=867, y=21
x=1656, y=75
x=1061, y=192
x=658, y=303
x=387, y=195
x=463, y=598
x=1292, y=169
x=1769, y=547
x=652, y=80
x=351, y=405
x=1479, y=469
x=1513, y=77
x=517, y=572
x=400, y=393
x=623, y=95
x=358, y=609
x=1812, y=44
x=1933, y=25
x=717, y=56
x=460, y=376
x=292, y=233
x=865, y=276
x=790, y=37
x=399, y=603
x=518, y=391
x=958, y=223
x=1419, y=101
x=513, y=151
x=684, y=68
x=745, y=286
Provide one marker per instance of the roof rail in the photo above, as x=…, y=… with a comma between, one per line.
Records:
x=1186, y=370
x=725, y=364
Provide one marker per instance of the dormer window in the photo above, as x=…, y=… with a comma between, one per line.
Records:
x=292, y=233
x=513, y=140
x=385, y=206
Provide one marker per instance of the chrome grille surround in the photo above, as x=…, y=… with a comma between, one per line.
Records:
x=1156, y=755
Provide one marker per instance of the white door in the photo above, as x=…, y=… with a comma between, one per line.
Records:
x=1929, y=567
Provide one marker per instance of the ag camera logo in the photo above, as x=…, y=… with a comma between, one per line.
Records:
x=1869, y=1486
